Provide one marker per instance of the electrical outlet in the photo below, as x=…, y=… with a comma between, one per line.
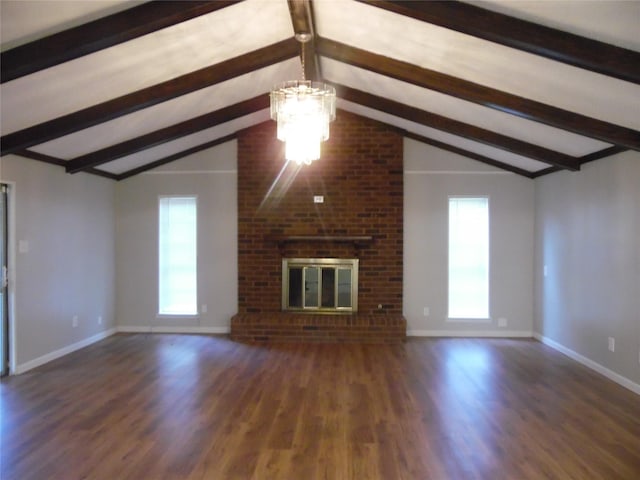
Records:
x=74, y=321
x=99, y=320
x=204, y=308
x=612, y=344
x=425, y=311
x=502, y=322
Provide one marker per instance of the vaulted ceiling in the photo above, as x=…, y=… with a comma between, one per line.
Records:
x=115, y=88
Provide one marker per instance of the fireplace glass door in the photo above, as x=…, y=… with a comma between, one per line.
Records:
x=319, y=285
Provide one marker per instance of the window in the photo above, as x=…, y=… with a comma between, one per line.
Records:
x=469, y=257
x=177, y=262
x=325, y=284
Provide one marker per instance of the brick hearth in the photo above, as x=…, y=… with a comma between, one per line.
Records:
x=299, y=327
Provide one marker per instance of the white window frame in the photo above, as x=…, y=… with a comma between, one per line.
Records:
x=454, y=316
x=162, y=310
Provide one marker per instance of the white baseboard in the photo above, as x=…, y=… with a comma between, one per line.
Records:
x=160, y=329
x=610, y=374
x=471, y=333
x=36, y=362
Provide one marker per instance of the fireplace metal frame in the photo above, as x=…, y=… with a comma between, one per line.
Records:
x=350, y=264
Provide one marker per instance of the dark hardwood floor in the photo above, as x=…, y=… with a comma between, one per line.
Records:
x=202, y=407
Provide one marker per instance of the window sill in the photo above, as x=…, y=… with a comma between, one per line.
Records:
x=177, y=316
x=468, y=320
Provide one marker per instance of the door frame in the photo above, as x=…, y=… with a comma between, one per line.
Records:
x=11, y=267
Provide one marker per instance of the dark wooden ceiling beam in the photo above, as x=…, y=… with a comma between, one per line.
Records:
x=604, y=153
x=148, y=97
x=41, y=157
x=168, y=134
x=469, y=154
x=545, y=171
x=530, y=37
x=458, y=128
x=175, y=156
x=102, y=33
x=302, y=19
x=482, y=95
x=591, y=157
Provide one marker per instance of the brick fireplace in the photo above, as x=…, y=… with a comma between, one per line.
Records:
x=360, y=180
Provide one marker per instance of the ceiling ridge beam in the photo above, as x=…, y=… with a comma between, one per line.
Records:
x=148, y=97
x=459, y=128
x=480, y=94
x=175, y=156
x=469, y=154
x=303, y=22
x=558, y=45
x=167, y=134
x=100, y=34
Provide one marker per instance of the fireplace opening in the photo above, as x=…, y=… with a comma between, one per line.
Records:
x=316, y=285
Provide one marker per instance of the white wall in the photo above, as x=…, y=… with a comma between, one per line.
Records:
x=588, y=236
x=212, y=176
x=431, y=176
x=92, y=251
x=67, y=223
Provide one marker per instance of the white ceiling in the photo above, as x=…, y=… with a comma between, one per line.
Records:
x=457, y=109
x=23, y=21
x=480, y=61
x=614, y=22
x=235, y=30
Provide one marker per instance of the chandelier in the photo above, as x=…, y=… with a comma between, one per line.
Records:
x=303, y=110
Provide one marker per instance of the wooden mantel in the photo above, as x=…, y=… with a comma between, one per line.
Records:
x=358, y=241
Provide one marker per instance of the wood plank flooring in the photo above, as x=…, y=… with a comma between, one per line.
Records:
x=202, y=407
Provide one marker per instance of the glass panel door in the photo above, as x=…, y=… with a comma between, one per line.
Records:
x=328, y=288
x=311, y=286
x=344, y=288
